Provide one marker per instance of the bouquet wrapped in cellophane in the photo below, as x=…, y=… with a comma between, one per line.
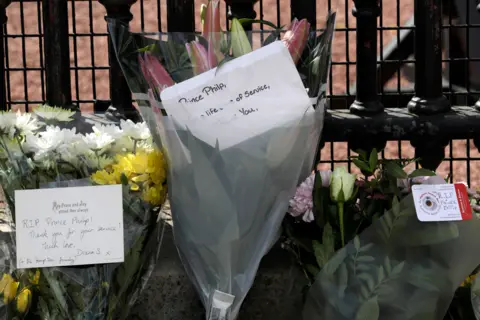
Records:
x=235, y=151
x=369, y=254
x=55, y=148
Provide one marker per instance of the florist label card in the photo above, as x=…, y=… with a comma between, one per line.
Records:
x=246, y=97
x=69, y=226
x=441, y=202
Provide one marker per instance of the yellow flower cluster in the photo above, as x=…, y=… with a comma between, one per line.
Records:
x=145, y=172
x=9, y=288
x=469, y=281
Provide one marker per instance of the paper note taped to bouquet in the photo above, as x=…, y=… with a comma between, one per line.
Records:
x=441, y=202
x=246, y=97
x=69, y=226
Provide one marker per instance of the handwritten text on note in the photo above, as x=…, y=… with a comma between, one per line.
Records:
x=246, y=97
x=69, y=226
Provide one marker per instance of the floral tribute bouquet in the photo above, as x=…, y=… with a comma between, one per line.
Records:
x=366, y=254
x=235, y=159
x=42, y=149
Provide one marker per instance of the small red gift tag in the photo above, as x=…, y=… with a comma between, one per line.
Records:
x=441, y=202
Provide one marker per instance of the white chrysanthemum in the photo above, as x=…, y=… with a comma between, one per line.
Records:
x=136, y=131
x=95, y=162
x=123, y=144
x=74, y=151
x=146, y=145
x=7, y=123
x=48, y=113
x=98, y=141
x=114, y=131
x=25, y=123
x=50, y=142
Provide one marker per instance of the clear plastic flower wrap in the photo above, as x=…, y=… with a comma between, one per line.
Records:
x=397, y=268
x=230, y=173
x=57, y=148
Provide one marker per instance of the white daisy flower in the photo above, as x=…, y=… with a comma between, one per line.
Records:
x=136, y=131
x=7, y=123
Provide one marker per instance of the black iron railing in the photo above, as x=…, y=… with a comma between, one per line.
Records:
x=436, y=111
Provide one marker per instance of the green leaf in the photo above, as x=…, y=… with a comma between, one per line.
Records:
x=369, y=310
x=356, y=243
x=314, y=271
x=324, y=251
x=363, y=267
x=335, y=261
x=252, y=21
x=148, y=48
x=395, y=170
x=272, y=37
x=368, y=280
x=373, y=159
x=398, y=268
x=422, y=172
x=225, y=60
x=328, y=239
x=361, y=165
x=388, y=265
x=342, y=279
x=380, y=274
x=366, y=247
x=365, y=259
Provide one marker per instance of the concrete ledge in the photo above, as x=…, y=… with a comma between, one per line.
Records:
x=275, y=295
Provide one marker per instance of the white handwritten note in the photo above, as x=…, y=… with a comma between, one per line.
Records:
x=246, y=97
x=69, y=226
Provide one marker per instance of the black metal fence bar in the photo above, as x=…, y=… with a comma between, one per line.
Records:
x=120, y=95
x=429, y=98
x=366, y=102
x=365, y=126
x=180, y=15
x=57, y=53
x=3, y=20
x=305, y=9
x=242, y=9
x=477, y=105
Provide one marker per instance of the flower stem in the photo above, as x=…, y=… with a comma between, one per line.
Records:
x=340, y=218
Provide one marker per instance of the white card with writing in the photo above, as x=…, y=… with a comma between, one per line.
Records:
x=441, y=202
x=69, y=226
x=246, y=97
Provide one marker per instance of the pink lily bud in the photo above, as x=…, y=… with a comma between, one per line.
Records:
x=155, y=74
x=212, y=31
x=199, y=57
x=296, y=38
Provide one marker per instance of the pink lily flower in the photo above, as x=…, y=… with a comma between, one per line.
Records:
x=212, y=32
x=199, y=57
x=296, y=37
x=154, y=72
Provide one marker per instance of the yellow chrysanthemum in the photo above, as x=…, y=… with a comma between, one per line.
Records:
x=36, y=278
x=154, y=195
x=105, y=177
x=144, y=170
x=10, y=291
x=469, y=280
x=6, y=280
x=23, y=300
